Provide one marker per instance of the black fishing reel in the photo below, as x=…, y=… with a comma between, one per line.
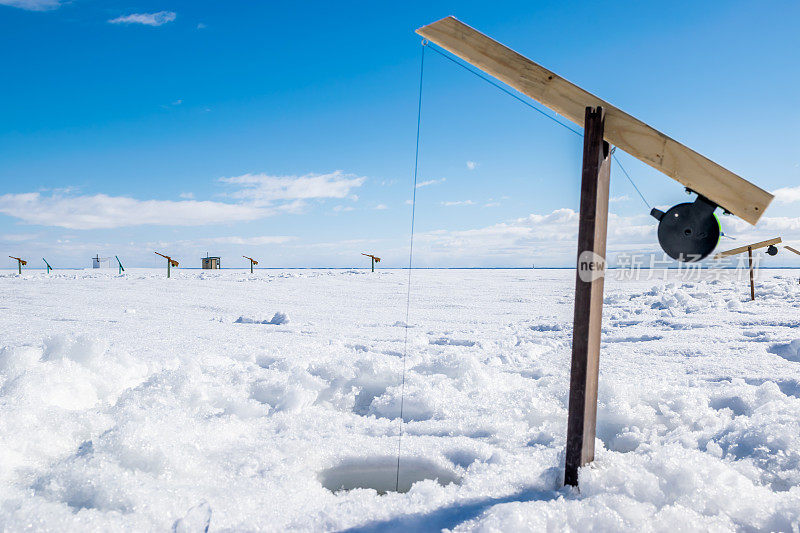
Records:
x=771, y=250
x=690, y=231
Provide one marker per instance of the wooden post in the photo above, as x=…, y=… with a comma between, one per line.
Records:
x=252, y=262
x=595, y=180
x=752, y=284
x=168, y=264
x=373, y=264
x=770, y=243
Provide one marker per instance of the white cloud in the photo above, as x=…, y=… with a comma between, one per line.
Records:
x=768, y=227
x=259, y=196
x=458, y=202
x=472, y=165
x=32, y=5
x=17, y=237
x=430, y=182
x=201, y=26
x=342, y=208
x=263, y=189
x=381, y=207
x=543, y=239
x=148, y=19
x=559, y=225
x=623, y=198
x=550, y=239
x=341, y=245
x=252, y=241
x=295, y=207
x=788, y=195
x=102, y=211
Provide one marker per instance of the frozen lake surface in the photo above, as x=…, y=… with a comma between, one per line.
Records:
x=233, y=400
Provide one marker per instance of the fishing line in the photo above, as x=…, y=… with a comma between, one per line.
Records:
x=410, y=258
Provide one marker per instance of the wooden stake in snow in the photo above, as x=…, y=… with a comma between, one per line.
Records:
x=595, y=181
x=20, y=262
x=252, y=262
x=170, y=261
x=374, y=260
x=771, y=250
x=603, y=124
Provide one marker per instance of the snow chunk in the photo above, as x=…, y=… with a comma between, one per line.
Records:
x=789, y=351
x=277, y=319
x=418, y=404
x=14, y=360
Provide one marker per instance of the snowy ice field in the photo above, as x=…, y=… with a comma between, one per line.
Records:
x=138, y=403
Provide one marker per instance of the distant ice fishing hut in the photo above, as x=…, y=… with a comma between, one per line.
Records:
x=97, y=261
x=210, y=263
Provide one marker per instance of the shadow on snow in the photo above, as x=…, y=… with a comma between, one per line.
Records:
x=452, y=515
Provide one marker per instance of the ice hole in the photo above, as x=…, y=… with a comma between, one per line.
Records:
x=380, y=474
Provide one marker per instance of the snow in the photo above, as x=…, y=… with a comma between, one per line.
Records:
x=277, y=319
x=137, y=402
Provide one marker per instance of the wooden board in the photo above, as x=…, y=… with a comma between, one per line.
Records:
x=754, y=246
x=588, y=314
x=792, y=250
x=677, y=161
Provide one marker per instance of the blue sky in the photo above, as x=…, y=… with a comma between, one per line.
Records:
x=286, y=131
